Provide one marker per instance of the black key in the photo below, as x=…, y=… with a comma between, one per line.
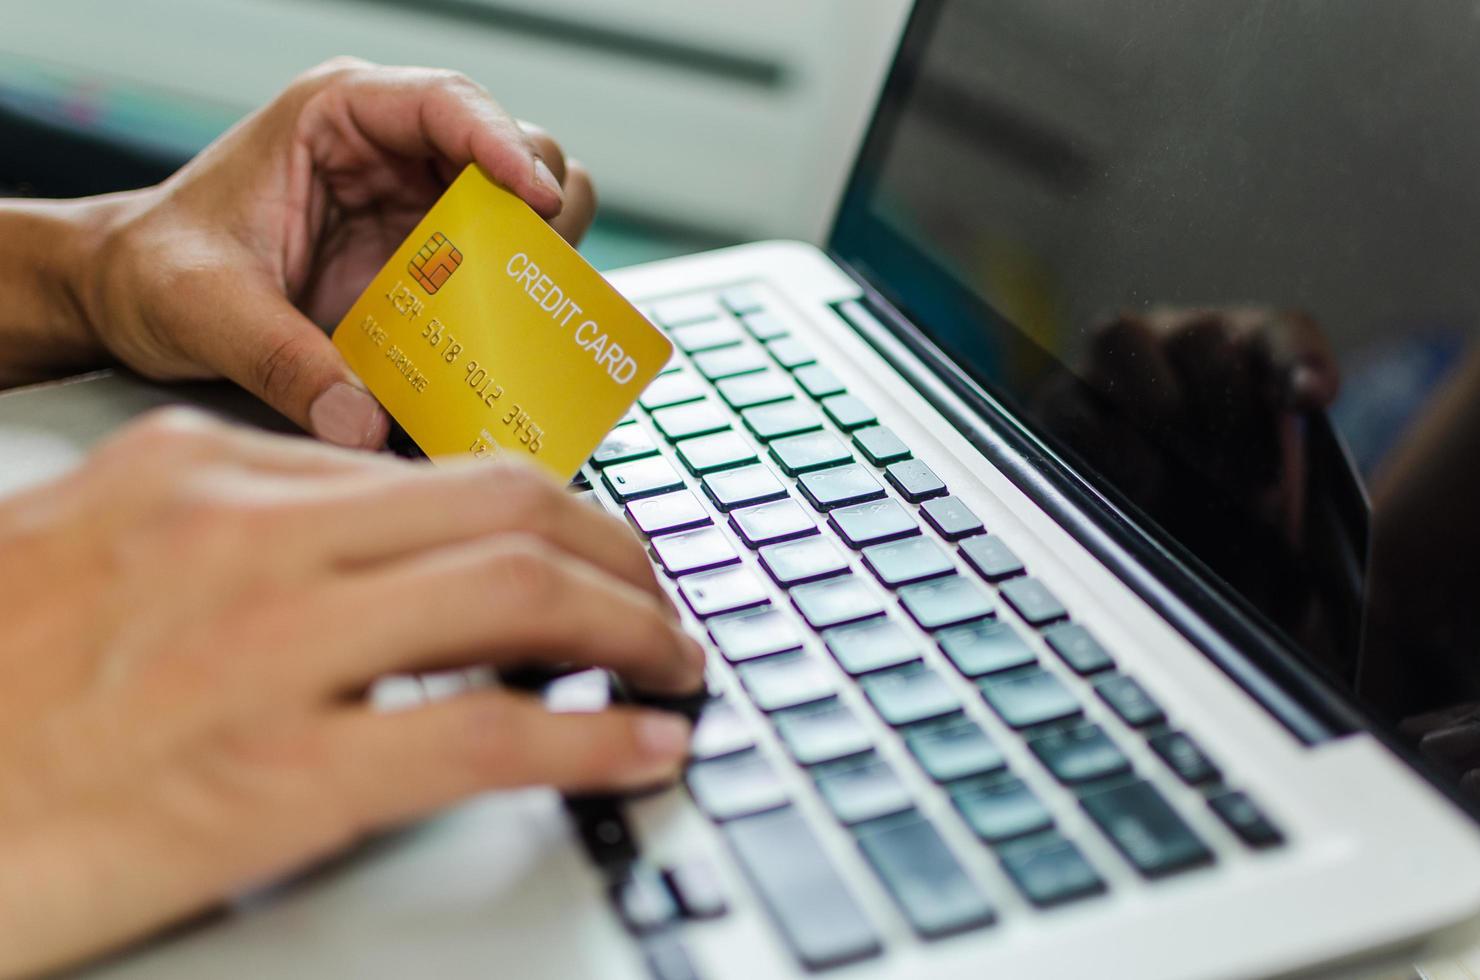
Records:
x=785, y=681
x=1033, y=601
x=872, y=645
x=1028, y=699
x=823, y=732
x=742, y=487
x=667, y=958
x=837, y=601
x=1080, y=650
x=864, y=791
x=1146, y=829
x=643, y=900
x=807, y=900
x=706, y=336
x=945, y=602
x=899, y=563
x=993, y=560
x=818, y=382
x=954, y=750
x=790, y=352
x=809, y=451
x=1245, y=819
x=1080, y=755
x=720, y=451
x=735, y=785
x=839, y=487
x=925, y=878
x=668, y=513
x=1185, y=757
x=623, y=443
x=722, y=590
x=606, y=835
x=697, y=888
x=687, y=421
x=749, y=390
x=719, y=731
x=951, y=518
x=1129, y=700
x=910, y=694
x=788, y=418
x=1051, y=872
x=685, y=309
x=764, y=326
x=1001, y=810
x=727, y=362
x=804, y=560
x=914, y=480
x=641, y=478
x=741, y=300
x=779, y=520
x=985, y=647
x=880, y=445
x=754, y=633
x=694, y=551
x=671, y=389
x=848, y=412
x=872, y=523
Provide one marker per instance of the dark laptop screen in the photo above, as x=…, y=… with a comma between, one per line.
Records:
x=1188, y=240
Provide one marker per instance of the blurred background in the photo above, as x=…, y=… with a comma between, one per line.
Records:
x=704, y=123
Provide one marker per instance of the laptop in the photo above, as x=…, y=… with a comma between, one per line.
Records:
x=1081, y=541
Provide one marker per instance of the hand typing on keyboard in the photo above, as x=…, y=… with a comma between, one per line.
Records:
x=192, y=619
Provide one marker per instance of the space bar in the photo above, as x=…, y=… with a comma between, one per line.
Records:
x=807, y=899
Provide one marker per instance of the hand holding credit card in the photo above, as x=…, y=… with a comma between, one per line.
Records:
x=487, y=334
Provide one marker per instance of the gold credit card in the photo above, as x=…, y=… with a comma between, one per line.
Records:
x=487, y=334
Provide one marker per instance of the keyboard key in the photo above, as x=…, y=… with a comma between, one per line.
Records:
x=719, y=731
x=764, y=326
x=1001, y=810
x=839, y=486
x=880, y=445
x=1052, y=873
x=910, y=694
x=848, y=412
x=924, y=877
x=804, y=560
x=993, y=560
x=1078, y=648
x=697, y=889
x=641, y=478
x=779, y=520
x=807, y=900
x=985, y=647
x=872, y=523
x=837, y=601
x=727, y=362
x=1028, y=699
x=722, y=590
x=673, y=364
x=685, y=309
x=667, y=958
x=581, y=481
x=1245, y=819
x=711, y=453
x=914, y=480
x=668, y=513
x=945, y=602
x=623, y=443
x=687, y=421
x=872, y=645
x=785, y=681
x=818, y=382
x=1146, y=829
x=741, y=300
x=1080, y=755
x=1185, y=757
x=694, y=551
x=671, y=389
x=790, y=352
x=865, y=791
x=643, y=900
x=754, y=633
x=911, y=560
x=954, y=751
x=809, y=451
x=706, y=336
x=735, y=785
x=1129, y=700
x=951, y=518
x=788, y=418
x=1033, y=601
x=749, y=390
x=824, y=732
x=743, y=487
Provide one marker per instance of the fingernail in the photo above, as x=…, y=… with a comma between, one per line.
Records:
x=347, y=416
x=663, y=735
x=546, y=176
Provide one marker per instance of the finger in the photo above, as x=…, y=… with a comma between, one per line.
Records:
x=580, y=204
x=498, y=601
x=392, y=767
x=547, y=147
x=1303, y=351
